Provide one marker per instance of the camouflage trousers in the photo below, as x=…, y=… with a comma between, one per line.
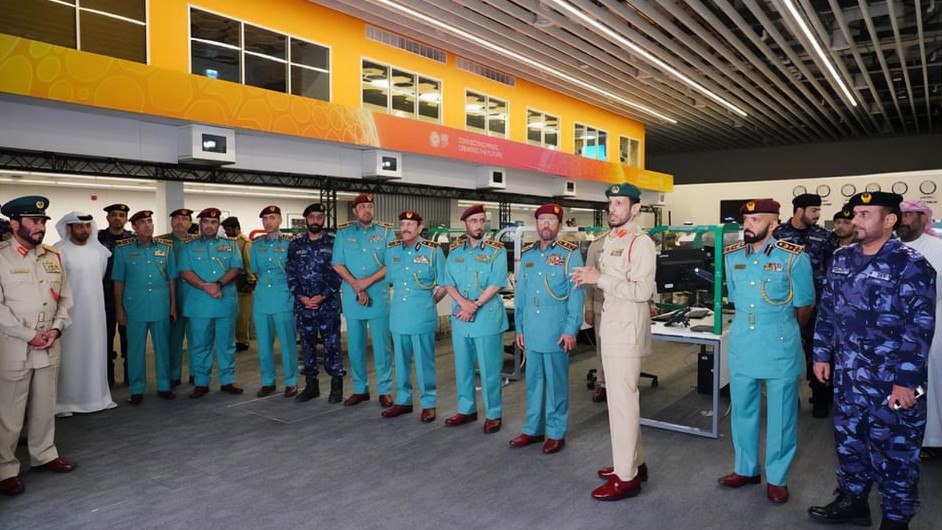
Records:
x=325, y=328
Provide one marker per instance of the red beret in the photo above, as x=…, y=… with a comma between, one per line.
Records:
x=271, y=208
x=760, y=206
x=476, y=209
x=549, y=208
x=409, y=215
x=143, y=214
x=182, y=211
x=210, y=213
x=361, y=198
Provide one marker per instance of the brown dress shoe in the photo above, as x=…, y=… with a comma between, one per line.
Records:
x=291, y=391
x=175, y=383
x=777, y=494
x=491, y=426
x=57, y=465
x=396, y=410
x=599, y=396
x=266, y=390
x=167, y=394
x=385, y=401
x=461, y=419
x=428, y=415
x=616, y=489
x=551, y=446
x=642, y=475
x=734, y=480
x=231, y=388
x=356, y=399
x=135, y=399
x=199, y=391
x=525, y=439
x=11, y=486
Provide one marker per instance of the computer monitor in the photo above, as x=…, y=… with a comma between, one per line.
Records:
x=684, y=269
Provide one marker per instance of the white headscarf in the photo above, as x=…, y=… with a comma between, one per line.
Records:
x=76, y=217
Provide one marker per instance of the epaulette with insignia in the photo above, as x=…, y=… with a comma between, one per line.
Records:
x=50, y=248
x=190, y=237
x=457, y=243
x=568, y=245
x=788, y=246
x=528, y=246
x=123, y=242
x=165, y=241
x=385, y=225
x=394, y=242
x=345, y=225
x=430, y=244
x=494, y=244
x=734, y=247
x=5, y=244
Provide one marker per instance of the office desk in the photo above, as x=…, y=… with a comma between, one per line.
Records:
x=720, y=346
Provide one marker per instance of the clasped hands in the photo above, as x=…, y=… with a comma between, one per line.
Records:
x=43, y=339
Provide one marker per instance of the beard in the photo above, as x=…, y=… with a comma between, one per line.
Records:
x=755, y=238
x=315, y=228
x=25, y=235
x=80, y=239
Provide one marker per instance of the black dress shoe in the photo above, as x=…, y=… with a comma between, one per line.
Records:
x=845, y=508
x=890, y=524
x=11, y=486
x=57, y=465
x=135, y=399
x=242, y=346
x=175, y=383
x=166, y=394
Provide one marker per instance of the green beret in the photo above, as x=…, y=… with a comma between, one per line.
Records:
x=29, y=206
x=624, y=189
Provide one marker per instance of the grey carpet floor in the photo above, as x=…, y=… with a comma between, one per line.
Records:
x=241, y=462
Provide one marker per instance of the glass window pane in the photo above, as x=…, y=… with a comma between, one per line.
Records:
x=535, y=126
x=40, y=20
x=266, y=42
x=113, y=37
x=310, y=54
x=403, y=93
x=430, y=95
x=475, y=117
x=266, y=73
x=635, y=153
x=208, y=26
x=215, y=61
x=551, y=131
x=579, y=139
x=375, y=86
x=310, y=83
x=497, y=117
x=133, y=9
x=624, y=152
x=601, y=145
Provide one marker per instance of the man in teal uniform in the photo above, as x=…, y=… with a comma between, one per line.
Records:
x=475, y=273
x=273, y=307
x=144, y=275
x=180, y=221
x=358, y=259
x=414, y=267
x=210, y=264
x=770, y=282
x=548, y=314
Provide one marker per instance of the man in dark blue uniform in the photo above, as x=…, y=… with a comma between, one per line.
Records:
x=819, y=244
x=876, y=321
x=109, y=237
x=843, y=230
x=316, y=290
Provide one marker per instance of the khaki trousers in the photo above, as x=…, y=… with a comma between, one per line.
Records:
x=597, y=329
x=244, y=319
x=624, y=410
x=21, y=390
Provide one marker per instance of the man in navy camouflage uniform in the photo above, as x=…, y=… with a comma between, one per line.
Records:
x=876, y=321
x=316, y=289
x=819, y=244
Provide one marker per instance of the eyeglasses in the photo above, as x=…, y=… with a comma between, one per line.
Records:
x=552, y=221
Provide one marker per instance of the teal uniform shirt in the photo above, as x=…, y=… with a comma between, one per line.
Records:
x=414, y=272
x=546, y=304
x=146, y=271
x=361, y=251
x=766, y=287
x=210, y=259
x=267, y=259
x=471, y=271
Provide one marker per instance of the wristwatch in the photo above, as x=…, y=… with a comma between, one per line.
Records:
x=478, y=303
x=219, y=283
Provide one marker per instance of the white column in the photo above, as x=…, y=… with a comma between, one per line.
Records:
x=169, y=198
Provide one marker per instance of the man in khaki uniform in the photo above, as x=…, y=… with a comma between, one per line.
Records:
x=34, y=309
x=245, y=283
x=626, y=277
x=593, y=313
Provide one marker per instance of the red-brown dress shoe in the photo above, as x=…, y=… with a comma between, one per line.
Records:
x=199, y=391
x=57, y=465
x=599, y=396
x=356, y=399
x=385, y=401
x=491, y=426
x=461, y=419
x=616, y=489
x=777, y=494
x=11, y=486
x=734, y=480
x=166, y=394
x=525, y=439
x=642, y=475
x=175, y=383
x=428, y=415
x=396, y=410
x=551, y=446
x=291, y=391
x=135, y=399
x=231, y=388
x=266, y=390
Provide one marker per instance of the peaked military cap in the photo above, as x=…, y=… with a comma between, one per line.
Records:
x=143, y=214
x=625, y=189
x=29, y=206
x=182, y=211
x=117, y=207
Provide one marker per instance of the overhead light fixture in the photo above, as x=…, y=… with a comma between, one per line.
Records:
x=408, y=11
x=565, y=6
x=793, y=11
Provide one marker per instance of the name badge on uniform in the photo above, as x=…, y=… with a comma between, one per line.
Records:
x=199, y=249
x=420, y=259
x=19, y=271
x=529, y=264
x=223, y=248
x=879, y=276
x=554, y=259
x=840, y=270
x=352, y=239
x=279, y=249
x=739, y=266
x=481, y=258
x=396, y=259
x=775, y=267
x=459, y=260
x=377, y=237
x=160, y=252
x=52, y=267
x=617, y=252
x=135, y=253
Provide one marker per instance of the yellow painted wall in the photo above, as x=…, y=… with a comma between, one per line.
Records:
x=345, y=35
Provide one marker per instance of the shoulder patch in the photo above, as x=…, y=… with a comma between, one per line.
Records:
x=385, y=225
x=165, y=241
x=429, y=244
x=568, y=245
x=123, y=242
x=345, y=225
x=528, y=246
x=457, y=243
x=50, y=248
x=789, y=247
x=190, y=237
x=734, y=247
x=393, y=243
x=494, y=244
